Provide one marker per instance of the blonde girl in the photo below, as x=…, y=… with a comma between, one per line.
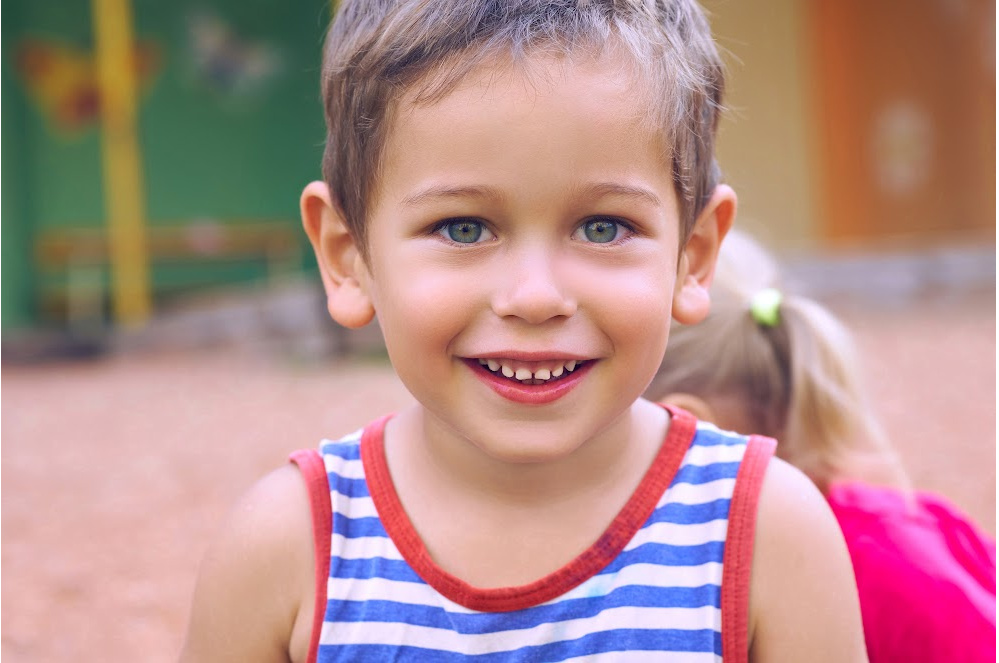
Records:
x=765, y=361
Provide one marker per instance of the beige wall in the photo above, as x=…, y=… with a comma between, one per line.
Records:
x=765, y=141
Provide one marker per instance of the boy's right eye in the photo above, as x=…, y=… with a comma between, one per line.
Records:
x=464, y=231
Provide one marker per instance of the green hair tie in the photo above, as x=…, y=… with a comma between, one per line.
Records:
x=765, y=307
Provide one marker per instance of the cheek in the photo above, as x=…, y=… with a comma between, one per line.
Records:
x=422, y=310
x=644, y=327
x=634, y=310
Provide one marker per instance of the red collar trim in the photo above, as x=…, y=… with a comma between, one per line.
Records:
x=502, y=599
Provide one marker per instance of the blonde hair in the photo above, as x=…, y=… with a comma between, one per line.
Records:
x=798, y=379
x=379, y=50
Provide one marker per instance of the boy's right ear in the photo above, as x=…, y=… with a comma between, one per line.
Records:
x=343, y=269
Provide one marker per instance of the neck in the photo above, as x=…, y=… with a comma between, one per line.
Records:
x=421, y=448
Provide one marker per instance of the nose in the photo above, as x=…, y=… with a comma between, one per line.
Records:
x=533, y=288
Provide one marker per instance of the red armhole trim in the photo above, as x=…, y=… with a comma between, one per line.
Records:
x=738, y=557
x=310, y=463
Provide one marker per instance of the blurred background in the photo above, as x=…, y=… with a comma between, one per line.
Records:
x=164, y=337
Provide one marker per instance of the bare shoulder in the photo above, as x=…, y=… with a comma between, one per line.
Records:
x=254, y=595
x=803, y=597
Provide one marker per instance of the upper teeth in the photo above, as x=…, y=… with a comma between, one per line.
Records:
x=513, y=370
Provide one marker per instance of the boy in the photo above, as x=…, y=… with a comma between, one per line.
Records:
x=524, y=193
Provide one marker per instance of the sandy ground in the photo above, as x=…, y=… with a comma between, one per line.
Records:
x=115, y=472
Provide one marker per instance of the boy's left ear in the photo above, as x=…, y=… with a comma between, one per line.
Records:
x=696, y=267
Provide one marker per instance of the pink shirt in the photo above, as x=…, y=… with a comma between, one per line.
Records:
x=926, y=575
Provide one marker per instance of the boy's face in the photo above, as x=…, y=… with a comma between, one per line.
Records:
x=528, y=223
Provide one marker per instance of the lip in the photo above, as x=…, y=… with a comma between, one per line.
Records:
x=529, y=394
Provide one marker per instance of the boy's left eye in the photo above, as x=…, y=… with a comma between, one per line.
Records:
x=600, y=230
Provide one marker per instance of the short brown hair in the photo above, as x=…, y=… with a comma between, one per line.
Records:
x=377, y=50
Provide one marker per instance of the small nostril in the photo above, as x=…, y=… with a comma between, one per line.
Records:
x=535, y=298
x=535, y=309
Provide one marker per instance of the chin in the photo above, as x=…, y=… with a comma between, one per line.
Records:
x=531, y=443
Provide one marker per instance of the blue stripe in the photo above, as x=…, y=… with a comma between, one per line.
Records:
x=347, y=450
x=357, y=528
x=707, y=437
x=668, y=555
x=348, y=487
x=647, y=553
x=679, y=514
x=374, y=567
x=354, y=528
x=602, y=642
x=698, y=474
x=435, y=616
x=690, y=514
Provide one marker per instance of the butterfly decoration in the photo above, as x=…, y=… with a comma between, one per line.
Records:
x=61, y=79
x=226, y=62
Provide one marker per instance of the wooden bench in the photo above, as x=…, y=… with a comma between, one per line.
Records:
x=74, y=266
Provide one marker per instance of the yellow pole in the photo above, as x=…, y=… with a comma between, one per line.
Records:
x=123, y=183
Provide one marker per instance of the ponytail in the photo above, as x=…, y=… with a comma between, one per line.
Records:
x=830, y=429
x=789, y=363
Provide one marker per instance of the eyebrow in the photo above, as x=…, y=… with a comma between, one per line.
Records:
x=601, y=189
x=437, y=192
x=598, y=190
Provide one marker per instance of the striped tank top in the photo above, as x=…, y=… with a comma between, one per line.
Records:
x=667, y=580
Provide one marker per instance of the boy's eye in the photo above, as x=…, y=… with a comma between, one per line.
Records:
x=600, y=231
x=464, y=231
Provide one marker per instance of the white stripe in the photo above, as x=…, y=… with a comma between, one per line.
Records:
x=699, y=493
x=702, y=424
x=643, y=575
x=680, y=535
x=667, y=533
x=702, y=455
x=348, y=469
x=363, y=547
x=647, y=575
x=394, y=633
x=380, y=589
x=352, y=507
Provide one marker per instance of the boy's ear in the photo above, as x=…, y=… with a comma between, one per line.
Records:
x=343, y=269
x=692, y=404
x=696, y=268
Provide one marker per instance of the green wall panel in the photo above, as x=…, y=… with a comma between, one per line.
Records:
x=213, y=147
x=16, y=272
x=230, y=129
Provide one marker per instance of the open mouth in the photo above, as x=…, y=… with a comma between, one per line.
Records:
x=539, y=373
